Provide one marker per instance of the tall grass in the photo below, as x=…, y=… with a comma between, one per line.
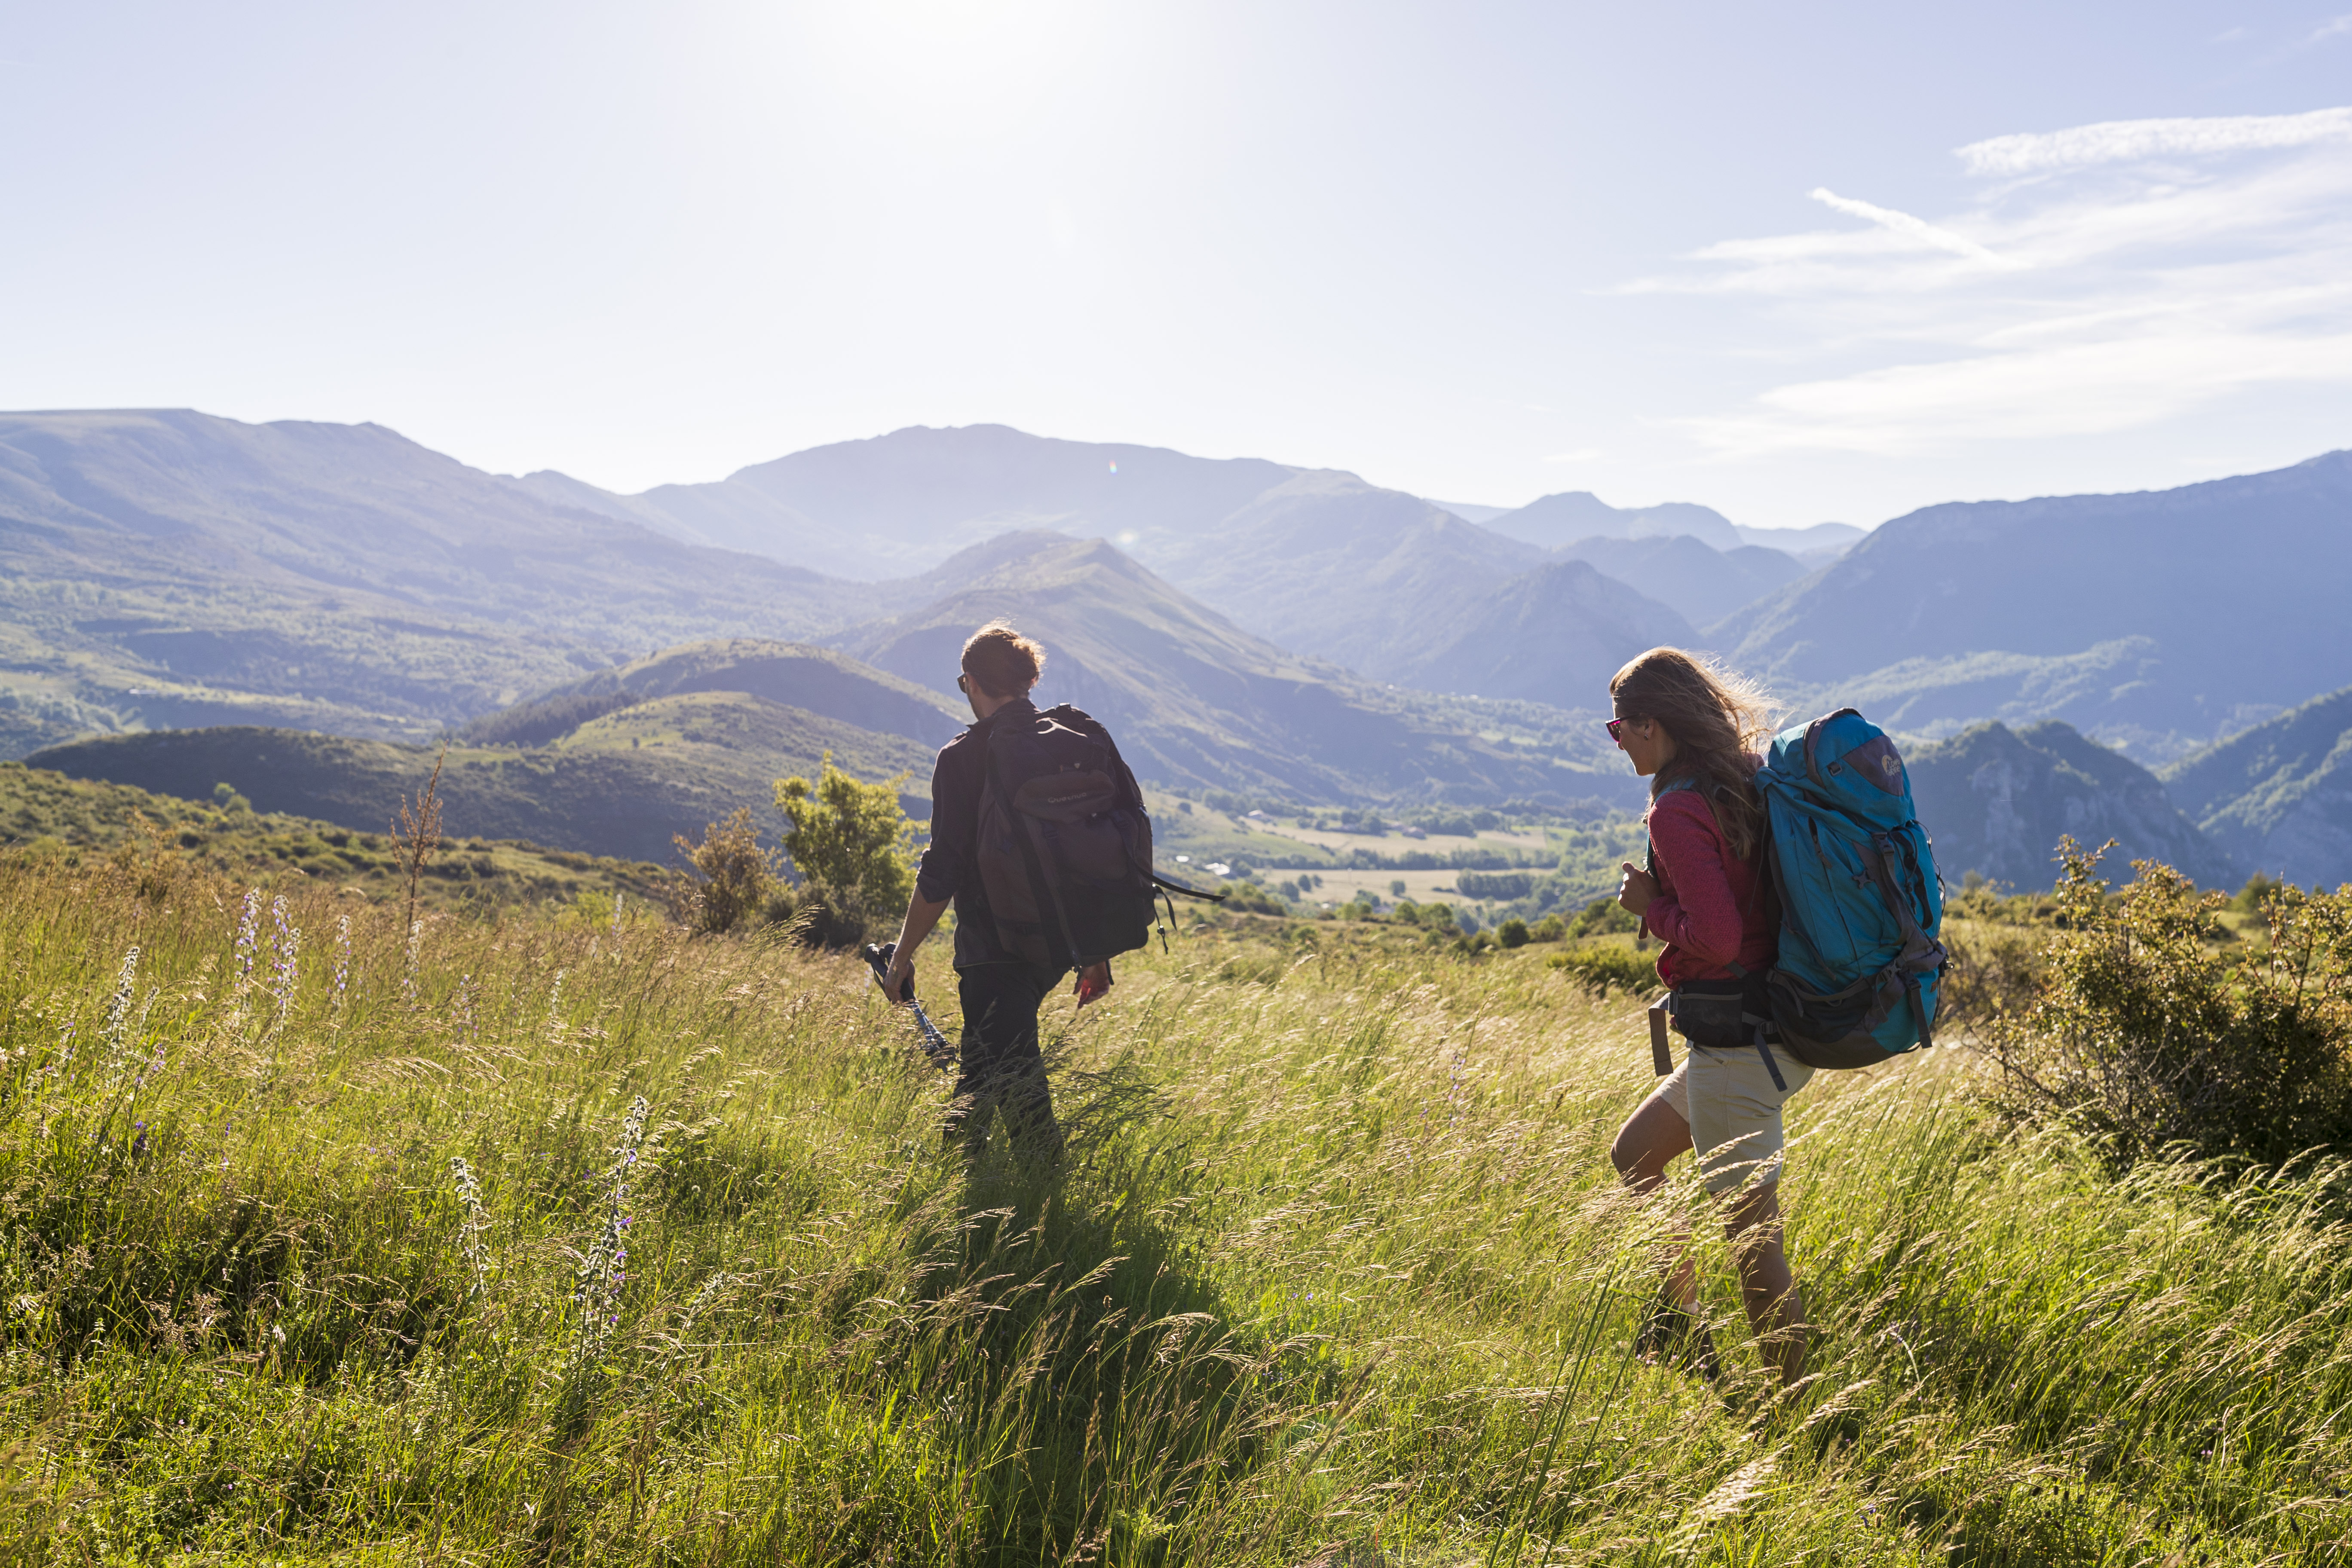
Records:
x=597, y=1243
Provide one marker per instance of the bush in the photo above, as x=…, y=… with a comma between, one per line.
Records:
x=1603, y=917
x=1549, y=928
x=732, y=875
x=1998, y=976
x=2149, y=1038
x=854, y=845
x=1251, y=898
x=1512, y=932
x=1601, y=969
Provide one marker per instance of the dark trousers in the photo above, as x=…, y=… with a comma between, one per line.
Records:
x=1001, y=1073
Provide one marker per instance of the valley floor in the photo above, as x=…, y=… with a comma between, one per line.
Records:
x=568, y=1242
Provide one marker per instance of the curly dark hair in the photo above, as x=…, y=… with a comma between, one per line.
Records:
x=1002, y=662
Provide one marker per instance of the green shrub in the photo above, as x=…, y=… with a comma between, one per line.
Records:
x=1251, y=898
x=732, y=875
x=1603, y=917
x=1549, y=928
x=2144, y=1034
x=853, y=844
x=1604, y=968
x=1513, y=932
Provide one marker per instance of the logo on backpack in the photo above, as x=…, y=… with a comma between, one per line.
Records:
x=1861, y=905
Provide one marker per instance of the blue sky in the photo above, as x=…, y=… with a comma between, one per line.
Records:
x=1802, y=263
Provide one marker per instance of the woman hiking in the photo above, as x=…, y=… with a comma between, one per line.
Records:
x=1693, y=732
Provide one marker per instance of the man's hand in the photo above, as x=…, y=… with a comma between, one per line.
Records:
x=1637, y=890
x=921, y=916
x=1093, y=980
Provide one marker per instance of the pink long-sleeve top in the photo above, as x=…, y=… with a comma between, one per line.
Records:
x=1709, y=911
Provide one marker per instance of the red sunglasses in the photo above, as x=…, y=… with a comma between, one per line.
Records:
x=1615, y=728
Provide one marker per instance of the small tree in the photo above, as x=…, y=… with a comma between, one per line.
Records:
x=416, y=837
x=736, y=875
x=852, y=841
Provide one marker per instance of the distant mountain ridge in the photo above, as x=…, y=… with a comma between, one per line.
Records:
x=2161, y=620
x=1997, y=802
x=2279, y=796
x=1550, y=521
x=896, y=505
x=1703, y=583
x=166, y=568
x=1315, y=560
x=1197, y=701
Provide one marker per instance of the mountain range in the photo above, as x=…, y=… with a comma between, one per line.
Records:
x=1298, y=632
x=2162, y=621
x=168, y=568
x=165, y=568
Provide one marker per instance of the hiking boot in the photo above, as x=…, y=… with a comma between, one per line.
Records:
x=1671, y=1336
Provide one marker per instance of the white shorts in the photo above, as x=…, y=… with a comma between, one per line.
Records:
x=1733, y=1113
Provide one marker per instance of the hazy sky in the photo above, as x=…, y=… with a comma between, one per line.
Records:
x=1800, y=262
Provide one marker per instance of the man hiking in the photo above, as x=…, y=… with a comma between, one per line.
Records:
x=1008, y=959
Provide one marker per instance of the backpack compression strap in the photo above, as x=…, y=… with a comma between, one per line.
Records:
x=1164, y=886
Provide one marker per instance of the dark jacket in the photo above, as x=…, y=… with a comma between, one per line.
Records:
x=950, y=866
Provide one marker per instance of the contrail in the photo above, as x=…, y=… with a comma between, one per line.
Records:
x=1904, y=223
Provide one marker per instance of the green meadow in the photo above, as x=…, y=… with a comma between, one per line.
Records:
x=541, y=1237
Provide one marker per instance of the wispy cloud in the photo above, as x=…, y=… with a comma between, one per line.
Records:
x=2125, y=141
x=2336, y=28
x=1916, y=229
x=2104, y=278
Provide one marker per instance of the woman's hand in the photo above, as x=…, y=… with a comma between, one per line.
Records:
x=1094, y=979
x=1636, y=889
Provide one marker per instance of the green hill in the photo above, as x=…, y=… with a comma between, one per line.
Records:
x=2280, y=795
x=167, y=568
x=46, y=814
x=622, y=784
x=797, y=675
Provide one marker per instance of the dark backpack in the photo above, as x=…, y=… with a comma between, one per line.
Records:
x=1065, y=847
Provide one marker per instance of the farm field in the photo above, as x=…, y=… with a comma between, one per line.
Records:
x=563, y=1240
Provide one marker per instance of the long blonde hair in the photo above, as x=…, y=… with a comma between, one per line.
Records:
x=1719, y=720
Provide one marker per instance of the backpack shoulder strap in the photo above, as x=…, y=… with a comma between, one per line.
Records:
x=1649, y=846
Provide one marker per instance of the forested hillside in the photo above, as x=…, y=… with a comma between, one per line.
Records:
x=2279, y=796
x=621, y=785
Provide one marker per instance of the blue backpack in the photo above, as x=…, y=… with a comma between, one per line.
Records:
x=1861, y=903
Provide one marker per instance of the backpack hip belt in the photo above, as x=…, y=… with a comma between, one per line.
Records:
x=1718, y=1015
